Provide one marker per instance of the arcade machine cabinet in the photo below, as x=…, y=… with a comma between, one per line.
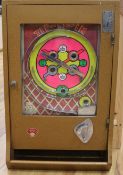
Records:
x=60, y=68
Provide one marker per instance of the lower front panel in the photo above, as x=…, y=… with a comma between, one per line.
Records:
x=59, y=133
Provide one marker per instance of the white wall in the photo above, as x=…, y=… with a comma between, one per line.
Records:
x=1, y=42
x=121, y=6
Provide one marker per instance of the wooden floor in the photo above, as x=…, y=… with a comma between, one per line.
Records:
x=117, y=168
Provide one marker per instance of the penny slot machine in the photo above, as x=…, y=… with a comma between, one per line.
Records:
x=60, y=67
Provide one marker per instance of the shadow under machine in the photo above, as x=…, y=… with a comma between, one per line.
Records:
x=60, y=64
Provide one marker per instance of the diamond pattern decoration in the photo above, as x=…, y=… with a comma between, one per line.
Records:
x=45, y=105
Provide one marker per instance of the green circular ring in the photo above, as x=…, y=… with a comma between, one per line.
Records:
x=82, y=99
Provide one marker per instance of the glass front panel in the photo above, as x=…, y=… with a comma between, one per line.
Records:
x=59, y=69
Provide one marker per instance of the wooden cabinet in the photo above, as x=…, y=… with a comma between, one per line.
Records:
x=60, y=66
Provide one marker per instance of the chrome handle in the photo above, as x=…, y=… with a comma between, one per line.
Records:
x=13, y=84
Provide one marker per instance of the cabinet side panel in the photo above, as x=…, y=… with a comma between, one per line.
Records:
x=114, y=79
x=6, y=80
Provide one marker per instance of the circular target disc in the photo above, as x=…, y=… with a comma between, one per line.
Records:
x=69, y=47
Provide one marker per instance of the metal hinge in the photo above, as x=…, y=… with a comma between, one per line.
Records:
x=107, y=122
x=112, y=39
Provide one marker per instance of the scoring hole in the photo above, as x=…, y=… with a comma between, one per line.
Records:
x=73, y=56
x=86, y=102
x=53, y=54
x=62, y=90
x=52, y=69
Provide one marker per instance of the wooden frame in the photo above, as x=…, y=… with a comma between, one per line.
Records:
x=108, y=95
